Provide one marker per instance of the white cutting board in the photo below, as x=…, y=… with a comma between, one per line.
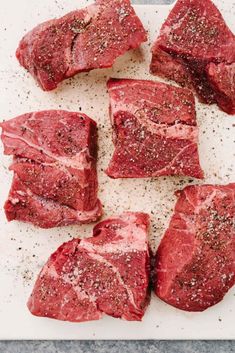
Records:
x=24, y=248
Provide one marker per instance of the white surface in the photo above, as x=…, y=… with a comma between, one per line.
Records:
x=19, y=267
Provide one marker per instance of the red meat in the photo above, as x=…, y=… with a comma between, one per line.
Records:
x=195, y=262
x=105, y=274
x=55, y=168
x=83, y=40
x=193, y=38
x=155, y=130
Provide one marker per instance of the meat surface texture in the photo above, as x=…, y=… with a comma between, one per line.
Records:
x=196, y=49
x=195, y=262
x=55, y=179
x=83, y=40
x=105, y=274
x=154, y=130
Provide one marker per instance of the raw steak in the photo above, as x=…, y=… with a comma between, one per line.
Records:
x=193, y=38
x=105, y=274
x=195, y=262
x=55, y=180
x=155, y=130
x=83, y=40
